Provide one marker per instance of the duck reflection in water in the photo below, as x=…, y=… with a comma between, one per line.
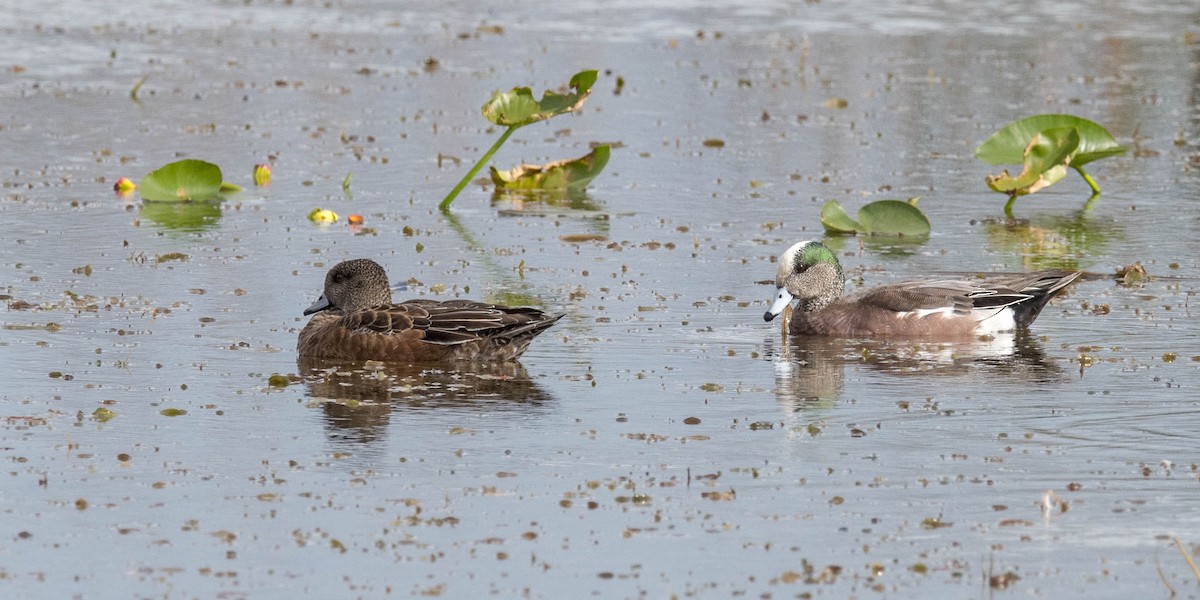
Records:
x=810, y=372
x=359, y=398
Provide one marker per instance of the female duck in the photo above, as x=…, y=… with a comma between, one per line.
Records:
x=355, y=319
x=810, y=275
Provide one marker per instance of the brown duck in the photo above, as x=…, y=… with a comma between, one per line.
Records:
x=355, y=319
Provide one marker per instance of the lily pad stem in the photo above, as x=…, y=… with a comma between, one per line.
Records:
x=1089, y=180
x=1008, y=206
x=445, y=205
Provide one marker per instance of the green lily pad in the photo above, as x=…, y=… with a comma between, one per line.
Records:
x=836, y=220
x=1008, y=145
x=559, y=175
x=1045, y=160
x=517, y=107
x=893, y=217
x=882, y=217
x=183, y=180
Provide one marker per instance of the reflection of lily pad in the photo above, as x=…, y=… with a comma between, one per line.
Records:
x=563, y=174
x=881, y=245
x=517, y=107
x=182, y=180
x=183, y=216
x=533, y=201
x=882, y=217
x=1053, y=242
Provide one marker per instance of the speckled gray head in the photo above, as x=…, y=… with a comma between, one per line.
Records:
x=352, y=285
x=808, y=272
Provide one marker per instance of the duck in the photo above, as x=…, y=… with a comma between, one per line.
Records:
x=355, y=319
x=810, y=277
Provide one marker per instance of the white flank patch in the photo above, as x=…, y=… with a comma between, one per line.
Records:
x=988, y=320
x=994, y=321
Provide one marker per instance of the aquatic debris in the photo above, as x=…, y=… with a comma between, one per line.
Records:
x=124, y=186
x=172, y=412
x=103, y=414
x=277, y=380
x=1051, y=504
x=355, y=219
x=322, y=216
x=934, y=523
x=1134, y=274
x=262, y=175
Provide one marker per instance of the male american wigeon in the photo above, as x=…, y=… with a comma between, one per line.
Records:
x=355, y=319
x=810, y=275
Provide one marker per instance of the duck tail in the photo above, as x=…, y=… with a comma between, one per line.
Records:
x=1040, y=287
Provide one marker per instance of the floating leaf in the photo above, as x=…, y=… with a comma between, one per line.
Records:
x=1045, y=162
x=835, y=219
x=882, y=217
x=563, y=174
x=1008, y=145
x=517, y=107
x=229, y=188
x=893, y=217
x=183, y=180
x=103, y=414
x=172, y=412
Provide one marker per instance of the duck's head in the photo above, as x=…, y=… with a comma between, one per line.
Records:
x=352, y=285
x=808, y=272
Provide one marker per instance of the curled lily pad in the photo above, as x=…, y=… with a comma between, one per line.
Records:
x=1008, y=145
x=188, y=179
x=516, y=108
x=836, y=220
x=1017, y=141
x=563, y=174
x=1045, y=162
x=882, y=217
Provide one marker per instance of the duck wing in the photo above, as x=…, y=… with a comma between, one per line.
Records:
x=450, y=323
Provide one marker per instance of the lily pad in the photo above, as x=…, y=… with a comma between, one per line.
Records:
x=188, y=179
x=559, y=175
x=1008, y=145
x=882, y=217
x=516, y=108
x=836, y=220
x=1045, y=160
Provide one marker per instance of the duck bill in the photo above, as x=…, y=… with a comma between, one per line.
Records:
x=321, y=304
x=782, y=299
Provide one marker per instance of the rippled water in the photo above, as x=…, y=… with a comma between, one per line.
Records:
x=660, y=440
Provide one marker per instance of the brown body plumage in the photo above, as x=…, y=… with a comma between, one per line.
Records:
x=356, y=319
